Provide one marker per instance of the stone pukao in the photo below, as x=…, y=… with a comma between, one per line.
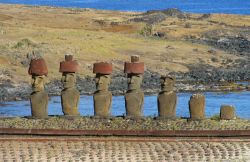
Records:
x=70, y=96
x=102, y=96
x=134, y=97
x=38, y=98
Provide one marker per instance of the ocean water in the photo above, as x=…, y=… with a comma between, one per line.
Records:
x=195, y=6
x=241, y=101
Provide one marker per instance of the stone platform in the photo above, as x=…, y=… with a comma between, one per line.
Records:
x=61, y=148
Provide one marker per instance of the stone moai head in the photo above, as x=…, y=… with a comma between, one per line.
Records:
x=135, y=70
x=38, y=98
x=38, y=83
x=68, y=68
x=102, y=97
x=39, y=71
x=167, y=83
x=102, y=79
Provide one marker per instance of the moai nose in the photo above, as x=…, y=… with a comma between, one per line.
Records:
x=35, y=80
x=100, y=81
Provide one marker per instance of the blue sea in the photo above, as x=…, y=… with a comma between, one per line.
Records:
x=240, y=100
x=194, y=6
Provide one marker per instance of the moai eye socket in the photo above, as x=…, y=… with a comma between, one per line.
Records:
x=162, y=80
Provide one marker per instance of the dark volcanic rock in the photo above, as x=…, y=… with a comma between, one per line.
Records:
x=151, y=19
x=151, y=84
x=208, y=74
x=173, y=12
x=156, y=16
x=232, y=42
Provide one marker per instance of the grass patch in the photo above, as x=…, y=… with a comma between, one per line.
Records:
x=24, y=43
x=215, y=117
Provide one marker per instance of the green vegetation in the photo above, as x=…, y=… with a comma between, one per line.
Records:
x=24, y=43
x=147, y=30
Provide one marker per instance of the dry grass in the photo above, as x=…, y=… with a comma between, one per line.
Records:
x=95, y=35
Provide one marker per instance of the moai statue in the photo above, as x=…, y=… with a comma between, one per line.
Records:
x=134, y=98
x=167, y=98
x=70, y=96
x=38, y=98
x=197, y=106
x=102, y=96
x=227, y=112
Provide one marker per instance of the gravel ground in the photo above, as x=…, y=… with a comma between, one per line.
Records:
x=120, y=123
x=85, y=149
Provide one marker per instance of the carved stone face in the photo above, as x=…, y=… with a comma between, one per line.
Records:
x=69, y=80
x=167, y=84
x=38, y=83
x=134, y=81
x=102, y=82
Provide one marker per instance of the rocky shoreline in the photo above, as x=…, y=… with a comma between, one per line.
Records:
x=199, y=81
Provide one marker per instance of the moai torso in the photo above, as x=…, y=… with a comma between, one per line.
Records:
x=197, y=107
x=38, y=98
x=227, y=112
x=167, y=98
x=102, y=96
x=134, y=103
x=70, y=96
x=134, y=98
x=70, y=99
x=39, y=104
x=167, y=104
x=102, y=103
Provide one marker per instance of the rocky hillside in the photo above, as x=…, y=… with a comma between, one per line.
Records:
x=207, y=48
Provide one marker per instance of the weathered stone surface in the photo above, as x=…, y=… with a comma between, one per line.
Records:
x=227, y=112
x=39, y=104
x=135, y=66
x=70, y=96
x=167, y=83
x=197, y=106
x=69, y=65
x=134, y=103
x=134, y=98
x=102, y=97
x=167, y=104
x=102, y=103
x=38, y=67
x=102, y=68
x=70, y=99
x=39, y=98
x=167, y=98
x=135, y=58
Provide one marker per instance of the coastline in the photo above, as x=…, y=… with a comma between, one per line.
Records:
x=151, y=7
x=205, y=52
x=22, y=92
